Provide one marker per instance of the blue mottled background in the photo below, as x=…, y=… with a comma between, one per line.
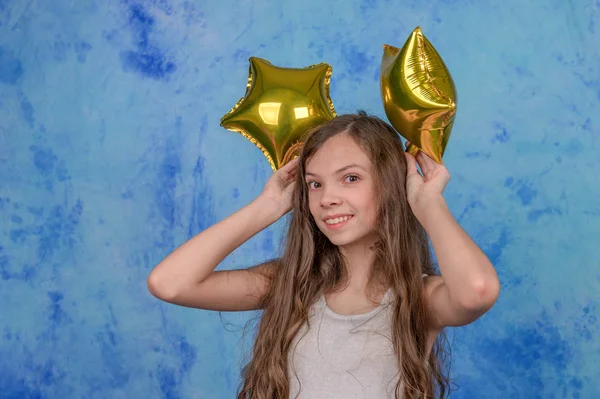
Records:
x=111, y=155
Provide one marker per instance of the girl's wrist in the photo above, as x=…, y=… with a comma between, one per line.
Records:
x=428, y=207
x=269, y=208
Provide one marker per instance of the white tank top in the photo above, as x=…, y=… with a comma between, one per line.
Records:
x=344, y=357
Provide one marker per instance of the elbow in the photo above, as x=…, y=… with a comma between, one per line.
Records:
x=481, y=295
x=158, y=288
x=488, y=292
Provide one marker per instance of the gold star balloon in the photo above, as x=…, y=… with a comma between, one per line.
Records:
x=280, y=105
x=418, y=95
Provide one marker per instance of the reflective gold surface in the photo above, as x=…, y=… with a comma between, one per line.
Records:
x=279, y=106
x=418, y=95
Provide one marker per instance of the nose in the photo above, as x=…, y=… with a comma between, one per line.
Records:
x=329, y=197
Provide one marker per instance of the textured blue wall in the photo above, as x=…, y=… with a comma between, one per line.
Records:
x=111, y=155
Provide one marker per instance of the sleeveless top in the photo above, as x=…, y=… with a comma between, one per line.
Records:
x=344, y=356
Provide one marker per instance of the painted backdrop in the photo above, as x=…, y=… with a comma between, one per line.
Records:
x=111, y=155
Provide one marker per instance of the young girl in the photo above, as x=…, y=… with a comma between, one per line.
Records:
x=353, y=308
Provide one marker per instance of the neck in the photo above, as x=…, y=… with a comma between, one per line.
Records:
x=359, y=259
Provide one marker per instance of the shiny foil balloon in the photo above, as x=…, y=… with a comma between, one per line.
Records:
x=280, y=106
x=418, y=95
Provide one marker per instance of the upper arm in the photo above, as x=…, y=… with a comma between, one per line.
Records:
x=443, y=310
x=229, y=290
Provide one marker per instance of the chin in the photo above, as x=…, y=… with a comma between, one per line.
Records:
x=342, y=241
x=336, y=239
x=338, y=242
x=348, y=237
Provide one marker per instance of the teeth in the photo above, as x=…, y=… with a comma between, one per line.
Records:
x=337, y=220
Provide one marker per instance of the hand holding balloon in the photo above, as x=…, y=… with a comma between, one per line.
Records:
x=427, y=186
x=280, y=186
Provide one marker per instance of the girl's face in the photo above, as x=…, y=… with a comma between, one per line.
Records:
x=341, y=192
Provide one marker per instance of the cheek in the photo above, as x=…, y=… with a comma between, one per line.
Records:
x=313, y=203
x=372, y=204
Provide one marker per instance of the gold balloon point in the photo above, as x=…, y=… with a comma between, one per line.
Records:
x=280, y=105
x=419, y=95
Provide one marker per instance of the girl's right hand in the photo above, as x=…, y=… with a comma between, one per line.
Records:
x=280, y=186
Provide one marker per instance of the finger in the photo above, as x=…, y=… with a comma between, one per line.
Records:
x=426, y=163
x=286, y=178
x=415, y=156
x=427, y=158
x=288, y=171
x=413, y=177
x=411, y=164
x=422, y=161
x=291, y=165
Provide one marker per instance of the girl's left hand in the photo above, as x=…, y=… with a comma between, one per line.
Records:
x=429, y=185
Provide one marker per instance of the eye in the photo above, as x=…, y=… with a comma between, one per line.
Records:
x=313, y=185
x=352, y=178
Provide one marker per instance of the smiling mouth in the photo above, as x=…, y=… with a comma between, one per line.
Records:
x=337, y=222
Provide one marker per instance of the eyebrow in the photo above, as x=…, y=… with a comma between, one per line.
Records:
x=340, y=170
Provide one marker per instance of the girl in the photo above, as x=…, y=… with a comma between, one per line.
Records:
x=353, y=308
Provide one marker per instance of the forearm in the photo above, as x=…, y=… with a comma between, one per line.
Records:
x=467, y=272
x=197, y=258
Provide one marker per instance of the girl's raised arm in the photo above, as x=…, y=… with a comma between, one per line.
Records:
x=187, y=277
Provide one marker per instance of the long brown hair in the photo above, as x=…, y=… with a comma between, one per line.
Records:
x=311, y=266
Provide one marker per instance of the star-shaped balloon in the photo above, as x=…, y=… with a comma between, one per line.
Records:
x=280, y=106
x=418, y=95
